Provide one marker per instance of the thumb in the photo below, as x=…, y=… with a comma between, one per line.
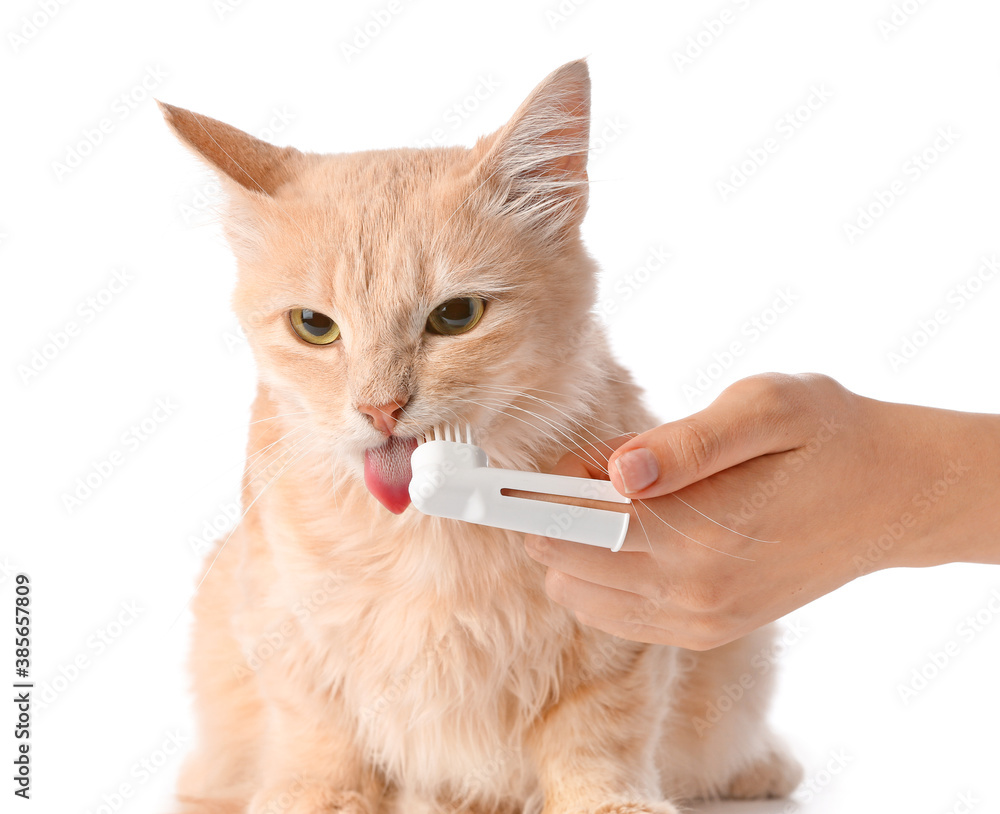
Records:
x=752, y=417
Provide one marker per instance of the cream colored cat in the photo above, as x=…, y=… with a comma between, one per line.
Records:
x=353, y=655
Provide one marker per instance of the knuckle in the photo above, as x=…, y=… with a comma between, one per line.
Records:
x=696, y=446
x=657, y=596
x=557, y=586
x=770, y=392
x=537, y=545
x=646, y=608
x=790, y=404
x=709, y=632
x=706, y=596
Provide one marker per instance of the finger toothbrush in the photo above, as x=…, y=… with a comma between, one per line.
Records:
x=452, y=478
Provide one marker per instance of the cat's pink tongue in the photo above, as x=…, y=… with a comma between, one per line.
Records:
x=388, y=474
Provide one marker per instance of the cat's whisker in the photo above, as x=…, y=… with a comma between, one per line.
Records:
x=601, y=465
x=597, y=463
x=687, y=537
x=604, y=376
x=723, y=525
x=645, y=533
x=580, y=435
x=255, y=457
x=598, y=441
x=276, y=456
x=528, y=394
x=272, y=417
x=576, y=436
x=559, y=443
x=508, y=392
x=244, y=462
x=562, y=445
x=260, y=461
x=622, y=432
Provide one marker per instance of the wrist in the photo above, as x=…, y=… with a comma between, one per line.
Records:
x=945, y=476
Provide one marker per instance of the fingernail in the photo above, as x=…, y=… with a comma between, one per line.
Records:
x=638, y=469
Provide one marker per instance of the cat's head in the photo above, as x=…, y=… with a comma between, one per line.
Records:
x=389, y=291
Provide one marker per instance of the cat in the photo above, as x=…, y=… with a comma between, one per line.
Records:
x=353, y=655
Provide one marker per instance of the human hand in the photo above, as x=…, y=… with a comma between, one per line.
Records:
x=782, y=490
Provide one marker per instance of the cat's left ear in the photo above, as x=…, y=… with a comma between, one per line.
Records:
x=535, y=166
x=252, y=164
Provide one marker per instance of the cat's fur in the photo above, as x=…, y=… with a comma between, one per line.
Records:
x=347, y=659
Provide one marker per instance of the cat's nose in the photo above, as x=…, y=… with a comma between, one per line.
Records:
x=384, y=416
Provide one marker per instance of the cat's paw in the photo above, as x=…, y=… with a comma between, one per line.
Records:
x=636, y=808
x=299, y=798
x=775, y=775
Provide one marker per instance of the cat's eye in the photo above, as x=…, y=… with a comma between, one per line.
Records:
x=456, y=316
x=314, y=327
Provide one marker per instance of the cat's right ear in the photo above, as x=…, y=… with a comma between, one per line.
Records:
x=252, y=164
x=535, y=167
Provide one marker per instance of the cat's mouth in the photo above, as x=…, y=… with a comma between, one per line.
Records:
x=388, y=473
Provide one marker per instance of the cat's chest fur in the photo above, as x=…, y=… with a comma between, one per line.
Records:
x=438, y=637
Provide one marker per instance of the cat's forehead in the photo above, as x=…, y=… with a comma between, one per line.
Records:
x=394, y=226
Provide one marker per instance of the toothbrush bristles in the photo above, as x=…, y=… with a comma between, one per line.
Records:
x=449, y=432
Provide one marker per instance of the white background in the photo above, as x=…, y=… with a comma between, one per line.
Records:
x=664, y=135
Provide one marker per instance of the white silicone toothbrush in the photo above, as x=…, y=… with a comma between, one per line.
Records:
x=452, y=478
